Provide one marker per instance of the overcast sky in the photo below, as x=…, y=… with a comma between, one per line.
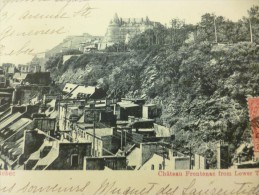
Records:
x=15, y=20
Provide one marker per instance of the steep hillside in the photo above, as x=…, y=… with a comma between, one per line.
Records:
x=201, y=87
x=71, y=42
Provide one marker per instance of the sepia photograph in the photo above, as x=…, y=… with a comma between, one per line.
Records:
x=166, y=87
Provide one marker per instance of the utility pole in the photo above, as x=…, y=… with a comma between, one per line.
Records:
x=251, y=31
x=163, y=151
x=171, y=32
x=125, y=138
x=65, y=125
x=190, y=157
x=94, y=135
x=163, y=157
x=92, y=108
x=215, y=29
x=121, y=139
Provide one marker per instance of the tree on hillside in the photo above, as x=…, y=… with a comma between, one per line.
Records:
x=176, y=26
x=156, y=36
x=54, y=61
x=161, y=33
x=72, y=52
x=253, y=20
x=206, y=28
x=117, y=47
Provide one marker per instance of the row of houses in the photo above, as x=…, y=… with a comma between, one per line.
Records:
x=18, y=87
x=80, y=129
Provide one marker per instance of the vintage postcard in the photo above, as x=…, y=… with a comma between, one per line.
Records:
x=129, y=97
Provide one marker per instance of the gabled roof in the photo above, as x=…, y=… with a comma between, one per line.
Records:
x=81, y=119
x=69, y=87
x=156, y=160
x=47, y=160
x=83, y=90
x=20, y=76
x=134, y=157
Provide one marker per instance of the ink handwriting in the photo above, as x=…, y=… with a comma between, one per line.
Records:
x=11, y=32
x=148, y=187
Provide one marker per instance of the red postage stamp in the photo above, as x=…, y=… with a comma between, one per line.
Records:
x=253, y=106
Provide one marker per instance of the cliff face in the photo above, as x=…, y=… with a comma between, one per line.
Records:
x=201, y=87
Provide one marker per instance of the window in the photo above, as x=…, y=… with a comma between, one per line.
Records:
x=74, y=160
x=152, y=167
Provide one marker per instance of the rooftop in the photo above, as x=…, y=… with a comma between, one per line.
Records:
x=69, y=87
x=100, y=132
x=19, y=124
x=20, y=76
x=127, y=105
x=83, y=90
x=155, y=160
x=149, y=105
x=9, y=120
x=5, y=93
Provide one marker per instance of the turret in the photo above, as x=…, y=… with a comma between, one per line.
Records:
x=116, y=19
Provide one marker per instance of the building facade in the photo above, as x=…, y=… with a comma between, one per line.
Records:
x=123, y=29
